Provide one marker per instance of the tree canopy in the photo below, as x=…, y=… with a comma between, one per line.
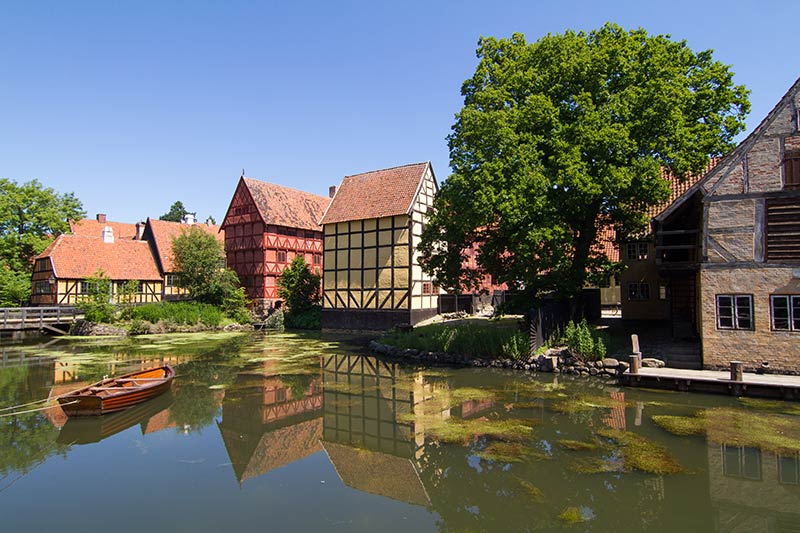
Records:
x=175, y=214
x=559, y=137
x=31, y=216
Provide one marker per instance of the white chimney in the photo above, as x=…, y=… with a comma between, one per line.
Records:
x=108, y=234
x=189, y=218
x=139, y=230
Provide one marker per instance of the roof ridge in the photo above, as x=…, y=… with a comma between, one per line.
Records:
x=388, y=168
x=285, y=187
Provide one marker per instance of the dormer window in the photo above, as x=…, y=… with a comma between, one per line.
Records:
x=791, y=170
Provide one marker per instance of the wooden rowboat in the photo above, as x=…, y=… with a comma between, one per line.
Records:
x=117, y=393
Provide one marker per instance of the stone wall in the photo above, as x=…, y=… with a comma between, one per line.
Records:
x=780, y=348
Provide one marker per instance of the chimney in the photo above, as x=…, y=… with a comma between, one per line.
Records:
x=101, y=218
x=331, y=191
x=108, y=234
x=139, y=230
x=189, y=218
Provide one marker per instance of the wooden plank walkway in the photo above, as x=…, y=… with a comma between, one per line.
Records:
x=715, y=382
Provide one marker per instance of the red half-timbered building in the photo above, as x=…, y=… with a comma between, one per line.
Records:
x=266, y=226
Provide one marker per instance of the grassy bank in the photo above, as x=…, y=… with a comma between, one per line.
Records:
x=485, y=339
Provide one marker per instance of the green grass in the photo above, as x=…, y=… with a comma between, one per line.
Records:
x=181, y=313
x=485, y=339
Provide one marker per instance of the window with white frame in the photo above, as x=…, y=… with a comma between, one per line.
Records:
x=637, y=251
x=785, y=312
x=734, y=311
x=638, y=291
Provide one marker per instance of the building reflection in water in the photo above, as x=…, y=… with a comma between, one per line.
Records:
x=269, y=421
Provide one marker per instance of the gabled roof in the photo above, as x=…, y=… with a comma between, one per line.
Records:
x=79, y=257
x=89, y=227
x=162, y=233
x=737, y=153
x=680, y=187
x=284, y=206
x=380, y=193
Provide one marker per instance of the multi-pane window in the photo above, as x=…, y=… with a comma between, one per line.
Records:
x=791, y=170
x=281, y=256
x=41, y=287
x=734, y=311
x=172, y=280
x=85, y=287
x=741, y=462
x=638, y=291
x=429, y=288
x=42, y=264
x=785, y=310
x=637, y=251
x=317, y=259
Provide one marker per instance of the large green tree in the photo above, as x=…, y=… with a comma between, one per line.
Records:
x=561, y=136
x=31, y=216
x=299, y=286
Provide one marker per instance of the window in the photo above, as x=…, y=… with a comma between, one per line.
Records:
x=429, y=288
x=734, y=311
x=637, y=251
x=741, y=462
x=41, y=287
x=172, y=280
x=785, y=310
x=789, y=469
x=309, y=234
x=41, y=264
x=281, y=257
x=782, y=227
x=791, y=170
x=662, y=291
x=85, y=287
x=317, y=259
x=638, y=291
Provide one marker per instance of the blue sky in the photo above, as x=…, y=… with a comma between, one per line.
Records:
x=133, y=105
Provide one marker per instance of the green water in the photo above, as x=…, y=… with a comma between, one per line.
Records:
x=301, y=433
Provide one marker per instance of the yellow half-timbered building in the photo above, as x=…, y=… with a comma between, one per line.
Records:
x=371, y=276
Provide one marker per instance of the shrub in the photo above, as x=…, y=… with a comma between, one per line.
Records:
x=308, y=319
x=179, y=313
x=274, y=321
x=581, y=341
x=99, y=312
x=139, y=327
x=487, y=341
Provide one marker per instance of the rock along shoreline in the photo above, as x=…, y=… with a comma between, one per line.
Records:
x=554, y=360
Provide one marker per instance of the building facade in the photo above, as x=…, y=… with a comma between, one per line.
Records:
x=372, y=278
x=266, y=226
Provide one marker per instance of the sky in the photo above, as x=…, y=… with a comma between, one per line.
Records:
x=133, y=105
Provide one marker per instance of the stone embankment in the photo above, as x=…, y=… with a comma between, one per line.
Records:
x=558, y=360
x=84, y=328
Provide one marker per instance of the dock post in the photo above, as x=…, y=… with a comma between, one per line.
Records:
x=636, y=362
x=737, y=369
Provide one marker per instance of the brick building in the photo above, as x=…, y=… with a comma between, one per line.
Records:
x=736, y=233
x=265, y=227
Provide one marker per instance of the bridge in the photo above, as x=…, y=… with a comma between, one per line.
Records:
x=53, y=319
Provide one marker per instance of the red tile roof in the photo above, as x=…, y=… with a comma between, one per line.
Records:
x=678, y=187
x=284, y=206
x=163, y=233
x=380, y=193
x=79, y=257
x=605, y=243
x=89, y=227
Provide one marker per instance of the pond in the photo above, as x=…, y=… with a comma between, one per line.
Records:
x=305, y=433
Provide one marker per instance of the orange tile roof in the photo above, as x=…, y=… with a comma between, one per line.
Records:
x=89, y=227
x=164, y=232
x=284, y=206
x=678, y=187
x=605, y=243
x=380, y=193
x=79, y=257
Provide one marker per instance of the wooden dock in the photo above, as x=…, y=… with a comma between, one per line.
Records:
x=715, y=382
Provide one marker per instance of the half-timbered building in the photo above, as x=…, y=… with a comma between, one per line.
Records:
x=266, y=226
x=160, y=234
x=372, y=278
x=60, y=273
x=737, y=235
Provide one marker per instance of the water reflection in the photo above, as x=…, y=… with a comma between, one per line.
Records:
x=471, y=450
